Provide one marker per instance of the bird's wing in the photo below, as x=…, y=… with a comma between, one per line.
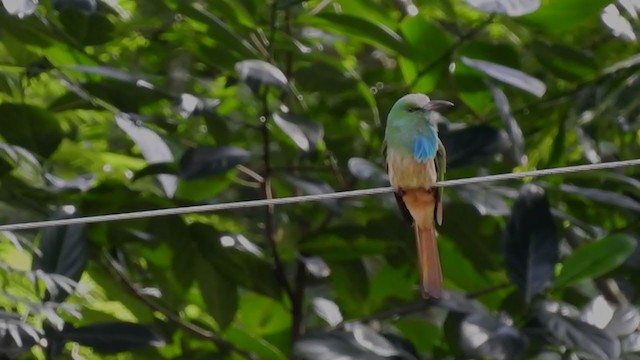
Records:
x=441, y=169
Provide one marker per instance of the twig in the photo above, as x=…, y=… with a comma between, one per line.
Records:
x=482, y=292
x=266, y=183
x=170, y=315
x=447, y=54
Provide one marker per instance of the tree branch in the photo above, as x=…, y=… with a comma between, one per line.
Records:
x=269, y=214
x=170, y=315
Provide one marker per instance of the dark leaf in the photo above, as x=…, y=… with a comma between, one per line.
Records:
x=513, y=129
x=507, y=7
x=64, y=252
x=206, y=161
x=595, y=259
x=88, y=29
x=486, y=337
x=152, y=146
x=261, y=72
x=126, y=96
x=471, y=144
x=110, y=338
x=530, y=242
x=508, y=75
x=84, y=6
x=219, y=293
x=305, y=133
x=484, y=199
x=580, y=335
x=603, y=196
x=16, y=336
x=156, y=169
x=313, y=187
x=30, y=127
x=365, y=170
x=242, y=265
x=41, y=66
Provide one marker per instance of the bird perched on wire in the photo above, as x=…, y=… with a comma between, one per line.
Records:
x=416, y=159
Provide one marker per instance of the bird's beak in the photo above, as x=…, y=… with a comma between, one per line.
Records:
x=434, y=105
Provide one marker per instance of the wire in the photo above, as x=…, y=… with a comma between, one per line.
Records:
x=307, y=198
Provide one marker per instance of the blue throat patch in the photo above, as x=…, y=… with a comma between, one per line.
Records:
x=425, y=146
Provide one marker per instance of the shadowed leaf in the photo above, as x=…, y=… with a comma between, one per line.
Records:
x=64, y=252
x=580, y=335
x=471, y=144
x=530, y=242
x=208, y=161
x=30, y=127
x=110, y=338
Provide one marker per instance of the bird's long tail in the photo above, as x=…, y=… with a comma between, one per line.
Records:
x=429, y=258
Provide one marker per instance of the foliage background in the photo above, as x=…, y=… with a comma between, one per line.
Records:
x=113, y=106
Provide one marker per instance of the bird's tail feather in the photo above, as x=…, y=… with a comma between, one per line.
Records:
x=429, y=259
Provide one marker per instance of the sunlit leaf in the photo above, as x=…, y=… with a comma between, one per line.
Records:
x=508, y=75
x=261, y=72
x=507, y=7
x=152, y=146
x=305, y=133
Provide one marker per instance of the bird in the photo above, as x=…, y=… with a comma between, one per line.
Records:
x=416, y=159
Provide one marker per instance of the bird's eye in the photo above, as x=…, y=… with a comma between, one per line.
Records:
x=413, y=109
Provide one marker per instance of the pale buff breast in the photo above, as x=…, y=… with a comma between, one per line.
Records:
x=406, y=172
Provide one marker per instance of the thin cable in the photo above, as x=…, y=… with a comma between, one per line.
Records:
x=307, y=198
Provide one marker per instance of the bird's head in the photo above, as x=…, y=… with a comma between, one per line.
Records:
x=416, y=107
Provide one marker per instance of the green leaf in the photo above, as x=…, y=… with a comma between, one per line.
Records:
x=219, y=293
x=564, y=61
x=30, y=127
x=64, y=252
x=353, y=26
x=595, y=259
x=422, y=34
x=557, y=16
x=87, y=30
x=218, y=29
